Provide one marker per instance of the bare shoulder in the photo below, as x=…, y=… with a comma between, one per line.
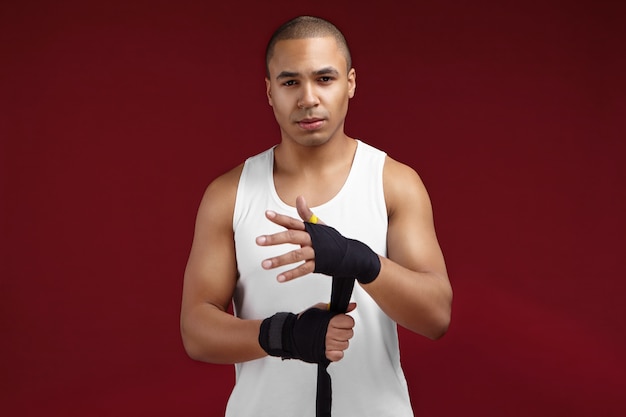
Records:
x=403, y=187
x=412, y=240
x=218, y=200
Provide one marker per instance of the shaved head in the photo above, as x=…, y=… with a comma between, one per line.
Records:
x=303, y=27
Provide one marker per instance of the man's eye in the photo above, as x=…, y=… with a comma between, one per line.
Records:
x=289, y=83
x=325, y=79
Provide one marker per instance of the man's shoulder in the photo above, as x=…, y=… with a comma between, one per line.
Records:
x=261, y=157
x=230, y=178
x=365, y=146
x=400, y=174
x=225, y=183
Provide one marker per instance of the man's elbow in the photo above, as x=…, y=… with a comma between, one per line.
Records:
x=433, y=326
x=192, y=347
x=441, y=320
x=192, y=351
x=440, y=328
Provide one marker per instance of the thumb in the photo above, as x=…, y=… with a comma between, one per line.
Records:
x=305, y=213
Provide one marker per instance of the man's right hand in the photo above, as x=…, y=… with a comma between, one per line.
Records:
x=316, y=335
x=340, y=331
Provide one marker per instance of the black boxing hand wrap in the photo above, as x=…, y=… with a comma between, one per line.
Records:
x=337, y=255
x=291, y=337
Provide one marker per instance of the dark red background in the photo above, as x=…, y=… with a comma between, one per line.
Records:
x=116, y=115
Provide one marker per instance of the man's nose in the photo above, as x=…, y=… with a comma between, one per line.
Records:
x=308, y=97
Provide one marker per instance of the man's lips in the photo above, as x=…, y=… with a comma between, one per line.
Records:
x=310, y=124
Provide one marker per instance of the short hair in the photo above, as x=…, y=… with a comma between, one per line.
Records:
x=303, y=27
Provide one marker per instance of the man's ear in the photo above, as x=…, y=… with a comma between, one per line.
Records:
x=268, y=90
x=351, y=82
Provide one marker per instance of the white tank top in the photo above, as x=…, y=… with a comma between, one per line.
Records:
x=369, y=380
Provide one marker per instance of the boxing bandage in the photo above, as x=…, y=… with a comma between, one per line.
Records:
x=339, y=256
x=291, y=337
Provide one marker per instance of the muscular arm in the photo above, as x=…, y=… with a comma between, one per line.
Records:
x=209, y=332
x=412, y=287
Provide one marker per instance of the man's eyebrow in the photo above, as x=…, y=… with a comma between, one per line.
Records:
x=321, y=71
x=326, y=71
x=287, y=74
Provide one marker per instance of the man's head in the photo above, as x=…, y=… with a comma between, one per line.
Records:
x=303, y=27
x=309, y=80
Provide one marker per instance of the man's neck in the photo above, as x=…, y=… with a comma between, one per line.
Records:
x=294, y=159
x=316, y=172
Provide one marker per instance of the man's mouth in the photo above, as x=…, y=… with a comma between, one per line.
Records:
x=310, y=124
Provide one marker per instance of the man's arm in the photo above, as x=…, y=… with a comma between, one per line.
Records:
x=209, y=332
x=412, y=287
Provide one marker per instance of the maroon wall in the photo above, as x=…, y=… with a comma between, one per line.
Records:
x=116, y=115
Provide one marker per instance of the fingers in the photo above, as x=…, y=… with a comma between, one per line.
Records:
x=326, y=306
x=340, y=331
x=334, y=355
x=339, y=324
x=321, y=306
x=306, y=268
x=296, y=235
x=287, y=222
x=305, y=213
x=351, y=307
x=337, y=347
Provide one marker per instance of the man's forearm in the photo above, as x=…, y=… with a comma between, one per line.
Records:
x=215, y=336
x=418, y=301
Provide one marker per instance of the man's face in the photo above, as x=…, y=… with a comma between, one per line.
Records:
x=309, y=89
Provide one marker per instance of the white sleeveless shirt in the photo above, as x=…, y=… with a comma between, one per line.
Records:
x=369, y=380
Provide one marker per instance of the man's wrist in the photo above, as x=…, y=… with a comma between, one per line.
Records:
x=273, y=332
x=336, y=255
x=303, y=337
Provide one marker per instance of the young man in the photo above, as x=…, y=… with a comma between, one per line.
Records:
x=271, y=232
